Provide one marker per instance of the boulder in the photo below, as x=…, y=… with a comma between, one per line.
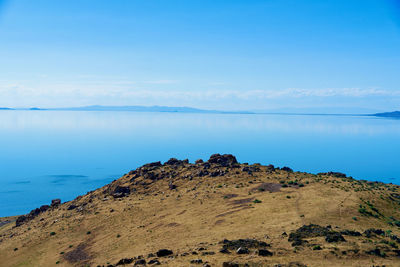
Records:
x=242, y=250
x=176, y=162
x=121, y=191
x=154, y=261
x=164, y=252
x=264, y=252
x=171, y=186
x=72, y=207
x=286, y=169
x=226, y=160
x=125, y=261
x=140, y=262
x=55, y=202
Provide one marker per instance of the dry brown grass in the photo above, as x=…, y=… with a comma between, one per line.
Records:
x=201, y=212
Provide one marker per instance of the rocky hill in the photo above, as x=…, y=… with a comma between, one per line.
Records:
x=213, y=213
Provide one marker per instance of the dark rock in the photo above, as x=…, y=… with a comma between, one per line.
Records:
x=286, y=169
x=307, y=231
x=251, y=169
x=202, y=173
x=140, y=262
x=334, y=237
x=225, y=160
x=206, y=165
x=154, y=261
x=43, y=208
x=196, y=261
x=152, y=164
x=21, y=220
x=171, y=186
x=264, y=252
x=224, y=250
x=350, y=233
x=376, y=252
x=199, y=161
x=243, y=243
x=31, y=215
x=71, y=207
x=230, y=264
x=125, y=261
x=55, y=202
x=120, y=191
x=205, y=253
x=217, y=173
x=164, y=252
x=242, y=250
x=270, y=168
x=176, y=162
x=371, y=232
x=150, y=255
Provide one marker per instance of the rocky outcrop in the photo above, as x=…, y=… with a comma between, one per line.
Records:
x=121, y=191
x=164, y=253
x=176, y=162
x=55, y=202
x=31, y=215
x=312, y=230
x=226, y=160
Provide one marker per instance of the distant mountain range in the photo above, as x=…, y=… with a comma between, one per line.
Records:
x=394, y=114
x=134, y=109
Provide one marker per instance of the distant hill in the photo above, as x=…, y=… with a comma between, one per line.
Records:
x=137, y=109
x=213, y=213
x=148, y=109
x=394, y=114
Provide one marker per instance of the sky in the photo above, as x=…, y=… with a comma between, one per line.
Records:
x=310, y=55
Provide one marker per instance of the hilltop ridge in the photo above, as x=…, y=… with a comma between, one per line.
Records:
x=217, y=212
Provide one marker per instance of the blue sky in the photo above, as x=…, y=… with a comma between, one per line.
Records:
x=333, y=55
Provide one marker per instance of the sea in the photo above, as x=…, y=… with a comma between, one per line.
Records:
x=63, y=154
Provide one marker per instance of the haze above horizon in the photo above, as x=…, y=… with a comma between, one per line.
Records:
x=224, y=55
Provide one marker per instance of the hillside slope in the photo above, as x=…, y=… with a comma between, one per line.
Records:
x=214, y=213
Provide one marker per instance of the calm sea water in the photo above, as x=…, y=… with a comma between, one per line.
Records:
x=55, y=154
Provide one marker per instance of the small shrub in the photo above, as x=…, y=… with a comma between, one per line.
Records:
x=257, y=201
x=88, y=232
x=118, y=235
x=53, y=233
x=15, y=249
x=62, y=252
x=317, y=247
x=284, y=185
x=57, y=262
x=288, y=197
